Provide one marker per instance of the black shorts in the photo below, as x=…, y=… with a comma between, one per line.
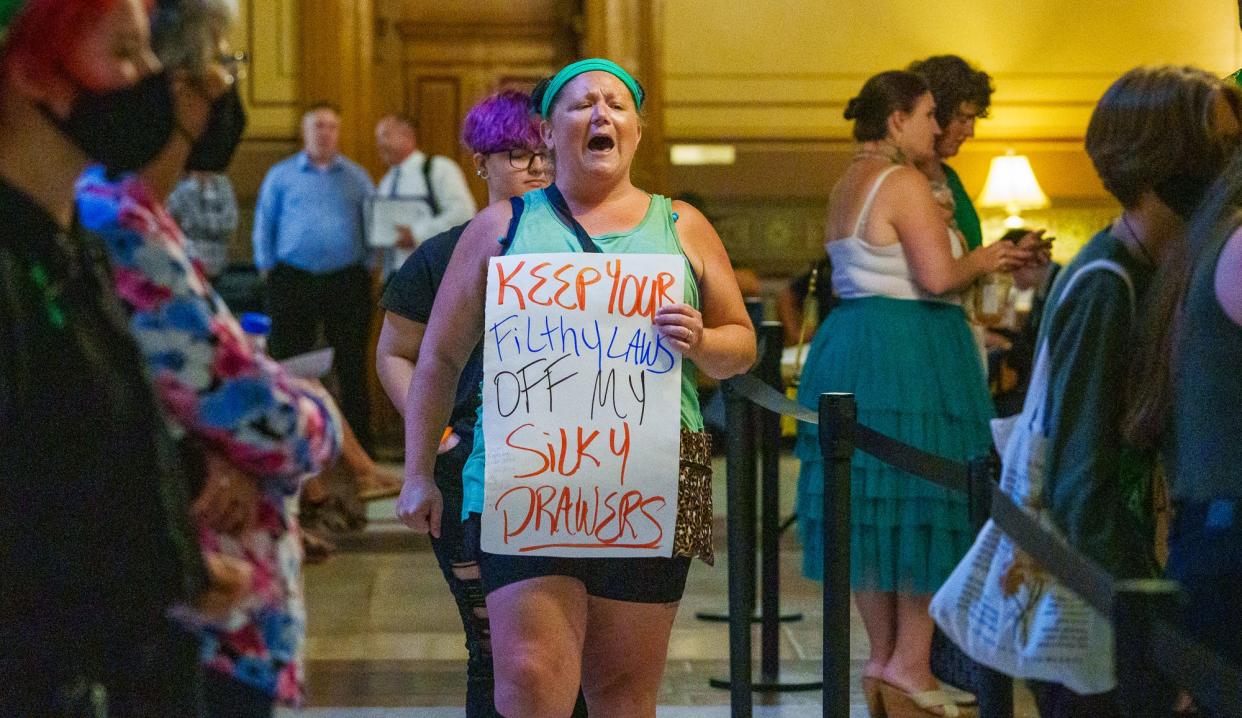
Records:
x=637, y=580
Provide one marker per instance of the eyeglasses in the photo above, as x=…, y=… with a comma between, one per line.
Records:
x=234, y=63
x=523, y=159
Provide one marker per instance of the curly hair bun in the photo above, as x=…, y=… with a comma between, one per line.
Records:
x=881, y=96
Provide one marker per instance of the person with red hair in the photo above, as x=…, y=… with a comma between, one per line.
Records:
x=50, y=33
x=95, y=539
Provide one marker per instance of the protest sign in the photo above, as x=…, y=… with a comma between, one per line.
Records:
x=581, y=405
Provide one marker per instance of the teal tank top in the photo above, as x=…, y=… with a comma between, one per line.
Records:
x=540, y=230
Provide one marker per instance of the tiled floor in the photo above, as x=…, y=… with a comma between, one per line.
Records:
x=385, y=638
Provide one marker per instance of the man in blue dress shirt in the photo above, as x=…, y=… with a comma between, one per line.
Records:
x=309, y=247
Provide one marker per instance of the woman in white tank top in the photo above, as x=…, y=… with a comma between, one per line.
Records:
x=899, y=342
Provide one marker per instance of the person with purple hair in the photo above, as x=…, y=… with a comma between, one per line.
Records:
x=510, y=156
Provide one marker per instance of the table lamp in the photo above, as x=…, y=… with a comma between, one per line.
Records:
x=1011, y=184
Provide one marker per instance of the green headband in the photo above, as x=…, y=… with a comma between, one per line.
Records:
x=593, y=64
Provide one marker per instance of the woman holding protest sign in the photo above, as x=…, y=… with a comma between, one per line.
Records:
x=510, y=156
x=601, y=622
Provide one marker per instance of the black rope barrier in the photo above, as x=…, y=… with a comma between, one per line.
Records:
x=768, y=372
x=1153, y=657
x=770, y=678
x=937, y=469
x=930, y=467
x=1071, y=568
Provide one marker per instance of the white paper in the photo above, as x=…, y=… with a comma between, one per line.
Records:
x=581, y=405
x=385, y=214
x=311, y=365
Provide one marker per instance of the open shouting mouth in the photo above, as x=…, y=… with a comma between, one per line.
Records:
x=601, y=144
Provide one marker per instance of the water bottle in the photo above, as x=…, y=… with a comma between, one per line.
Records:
x=257, y=327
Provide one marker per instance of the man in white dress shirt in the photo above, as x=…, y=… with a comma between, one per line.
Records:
x=437, y=182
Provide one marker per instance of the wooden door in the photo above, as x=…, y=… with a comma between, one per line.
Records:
x=448, y=63
x=435, y=61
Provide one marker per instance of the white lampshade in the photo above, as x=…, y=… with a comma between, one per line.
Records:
x=1011, y=184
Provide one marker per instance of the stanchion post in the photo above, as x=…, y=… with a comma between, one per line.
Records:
x=995, y=690
x=1143, y=691
x=769, y=370
x=837, y=416
x=740, y=478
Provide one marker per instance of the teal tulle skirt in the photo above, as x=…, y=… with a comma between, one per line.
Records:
x=916, y=376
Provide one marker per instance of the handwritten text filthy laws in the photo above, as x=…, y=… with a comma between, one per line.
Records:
x=575, y=379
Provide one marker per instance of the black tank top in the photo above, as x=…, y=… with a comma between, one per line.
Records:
x=1207, y=420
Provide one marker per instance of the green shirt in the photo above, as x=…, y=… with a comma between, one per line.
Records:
x=1097, y=489
x=964, y=213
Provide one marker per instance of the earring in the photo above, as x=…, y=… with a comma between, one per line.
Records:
x=481, y=173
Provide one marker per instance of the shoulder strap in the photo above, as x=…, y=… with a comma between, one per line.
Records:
x=506, y=242
x=866, y=208
x=557, y=200
x=1106, y=265
x=431, y=190
x=1038, y=387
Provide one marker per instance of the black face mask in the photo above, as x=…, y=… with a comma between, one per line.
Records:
x=213, y=150
x=124, y=129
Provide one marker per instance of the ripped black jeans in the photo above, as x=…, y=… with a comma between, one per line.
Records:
x=460, y=565
x=457, y=551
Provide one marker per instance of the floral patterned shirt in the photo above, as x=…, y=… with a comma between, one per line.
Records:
x=217, y=391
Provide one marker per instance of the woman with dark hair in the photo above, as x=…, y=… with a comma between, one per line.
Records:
x=558, y=622
x=1158, y=137
x=898, y=341
x=95, y=539
x=509, y=154
x=1205, y=539
x=1184, y=398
